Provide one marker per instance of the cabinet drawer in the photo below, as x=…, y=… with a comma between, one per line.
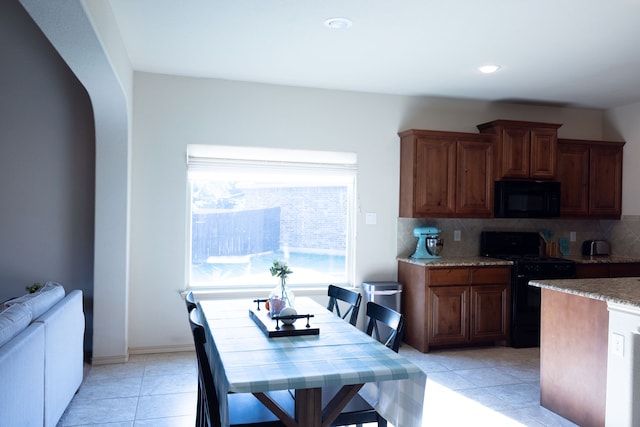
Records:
x=490, y=275
x=589, y=271
x=625, y=270
x=449, y=276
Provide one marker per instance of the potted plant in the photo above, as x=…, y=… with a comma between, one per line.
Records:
x=281, y=296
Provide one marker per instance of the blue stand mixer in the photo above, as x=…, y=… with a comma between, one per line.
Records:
x=429, y=242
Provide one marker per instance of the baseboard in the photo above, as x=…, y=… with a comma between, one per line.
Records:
x=109, y=360
x=162, y=349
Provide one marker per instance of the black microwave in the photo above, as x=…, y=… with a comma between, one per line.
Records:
x=526, y=199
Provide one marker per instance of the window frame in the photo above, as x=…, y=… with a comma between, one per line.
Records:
x=203, y=159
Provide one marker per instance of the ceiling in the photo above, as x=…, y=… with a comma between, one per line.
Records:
x=582, y=53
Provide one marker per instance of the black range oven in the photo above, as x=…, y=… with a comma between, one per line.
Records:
x=524, y=249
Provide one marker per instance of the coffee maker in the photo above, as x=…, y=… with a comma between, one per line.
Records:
x=429, y=242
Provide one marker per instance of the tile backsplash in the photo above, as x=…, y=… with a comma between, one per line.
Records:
x=624, y=235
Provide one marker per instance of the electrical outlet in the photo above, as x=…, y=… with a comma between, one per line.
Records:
x=572, y=236
x=617, y=344
x=456, y=235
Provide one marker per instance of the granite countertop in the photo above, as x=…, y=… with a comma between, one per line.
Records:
x=467, y=261
x=620, y=290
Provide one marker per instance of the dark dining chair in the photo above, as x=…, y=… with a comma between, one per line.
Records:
x=190, y=300
x=336, y=294
x=380, y=315
x=245, y=410
x=358, y=411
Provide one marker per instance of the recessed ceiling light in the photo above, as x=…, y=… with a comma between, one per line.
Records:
x=489, y=68
x=338, y=23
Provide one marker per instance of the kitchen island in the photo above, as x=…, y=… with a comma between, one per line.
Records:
x=589, y=347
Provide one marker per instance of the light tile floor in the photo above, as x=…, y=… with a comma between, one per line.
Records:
x=492, y=386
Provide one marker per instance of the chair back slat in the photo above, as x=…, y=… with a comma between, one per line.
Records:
x=395, y=321
x=211, y=403
x=336, y=293
x=190, y=301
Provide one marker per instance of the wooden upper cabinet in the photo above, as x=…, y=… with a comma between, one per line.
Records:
x=573, y=174
x=445, y=174
x=605, y=181
x=524, y=150
x=544, y=148
x=474, y=186
x=435, y=171
x=590, y=175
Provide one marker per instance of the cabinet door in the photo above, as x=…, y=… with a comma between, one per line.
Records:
x=543, y=158
x=514, y=153
x=435, y=176
x=448, y=315
x=573, y=174
x=474, y=178
x=489, y=312
x=605, y=181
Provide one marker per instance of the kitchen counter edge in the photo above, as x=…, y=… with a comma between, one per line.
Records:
x=476, y=261
x=619, y=290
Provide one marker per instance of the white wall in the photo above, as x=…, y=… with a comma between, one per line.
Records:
x=171, y=112
x=626, y=122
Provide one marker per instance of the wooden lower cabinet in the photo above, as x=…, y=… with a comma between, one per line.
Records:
x=590, y=271
x=488, y=303
x=454, y=306
x=448, y=314
x=604, y=269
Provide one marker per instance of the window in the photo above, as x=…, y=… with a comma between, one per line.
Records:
x=250, y=206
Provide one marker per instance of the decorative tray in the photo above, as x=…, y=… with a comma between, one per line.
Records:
x=274, y=327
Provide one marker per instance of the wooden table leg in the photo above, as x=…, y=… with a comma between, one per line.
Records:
x=309, y=407
x=277, y=410
x=338, y=403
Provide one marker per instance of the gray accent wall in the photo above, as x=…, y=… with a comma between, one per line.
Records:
x=47, y=165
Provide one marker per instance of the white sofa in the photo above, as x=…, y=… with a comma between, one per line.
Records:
x=41, y=356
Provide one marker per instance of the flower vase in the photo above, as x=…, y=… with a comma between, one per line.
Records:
x=280, y=298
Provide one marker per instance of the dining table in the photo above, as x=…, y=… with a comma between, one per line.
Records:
x=337, y=355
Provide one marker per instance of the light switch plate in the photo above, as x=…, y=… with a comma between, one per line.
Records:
x=456, y=235
x=370, y=218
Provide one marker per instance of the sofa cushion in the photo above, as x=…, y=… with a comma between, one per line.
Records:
x=13, y=320
x=41, y=300
x=64, y=325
